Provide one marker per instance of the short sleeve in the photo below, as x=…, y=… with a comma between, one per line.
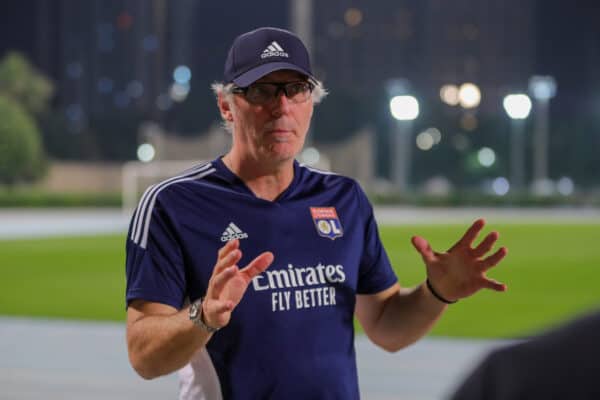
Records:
x=154, y=264
x=375, y=270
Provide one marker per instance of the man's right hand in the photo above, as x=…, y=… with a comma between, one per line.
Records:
x=228, y=283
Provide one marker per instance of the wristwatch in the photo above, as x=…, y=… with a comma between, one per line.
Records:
x=196, y=316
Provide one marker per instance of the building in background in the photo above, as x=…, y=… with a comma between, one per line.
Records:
x=108, y=56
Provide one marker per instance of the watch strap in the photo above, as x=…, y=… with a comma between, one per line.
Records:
x=197, y=316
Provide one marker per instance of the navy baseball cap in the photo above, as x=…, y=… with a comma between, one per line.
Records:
x=259, y=52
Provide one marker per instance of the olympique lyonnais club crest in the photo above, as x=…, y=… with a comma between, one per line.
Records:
x=327, y=222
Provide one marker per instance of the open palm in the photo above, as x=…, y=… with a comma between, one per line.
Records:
x=461, y=271
x=228, y=283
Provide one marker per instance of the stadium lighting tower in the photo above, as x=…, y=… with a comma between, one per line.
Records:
x=542, y=88
x=518, y=107
x=404, y=108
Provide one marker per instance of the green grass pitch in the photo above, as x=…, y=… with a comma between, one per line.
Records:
x=552, y=272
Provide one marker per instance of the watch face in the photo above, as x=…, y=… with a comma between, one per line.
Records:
x=194, y=311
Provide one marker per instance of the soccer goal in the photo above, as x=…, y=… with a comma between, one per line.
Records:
x=137, y=176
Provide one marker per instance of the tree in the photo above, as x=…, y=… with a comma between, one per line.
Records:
x=20, y=81
x=24, y=94
x=21, y=155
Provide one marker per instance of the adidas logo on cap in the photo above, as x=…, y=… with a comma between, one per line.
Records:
x=274, y=50
x=233, y=232
x=264, y=50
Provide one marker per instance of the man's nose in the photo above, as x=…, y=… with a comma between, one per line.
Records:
x=281, y=103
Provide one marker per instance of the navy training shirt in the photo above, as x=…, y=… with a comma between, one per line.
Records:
x=292, y=335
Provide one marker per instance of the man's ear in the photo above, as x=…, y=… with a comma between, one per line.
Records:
x=225, y=108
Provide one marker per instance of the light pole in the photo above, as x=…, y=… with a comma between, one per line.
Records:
x=518, y=107
x=404, y=108
x=542, y=88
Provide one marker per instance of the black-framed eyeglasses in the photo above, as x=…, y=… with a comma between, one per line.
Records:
x=266, y=92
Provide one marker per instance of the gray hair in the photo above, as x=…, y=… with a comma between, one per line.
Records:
x=224, y=89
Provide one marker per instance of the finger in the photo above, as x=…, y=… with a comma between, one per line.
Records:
x=494, y=285
x=230, y=259
x=423, y=247
x=470, y=234
x=218, y=282
x=258, y=265
x=486, y=245
x=229, y=246
x=495, y=258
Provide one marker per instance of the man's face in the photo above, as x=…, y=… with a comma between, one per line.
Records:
x=272, y=132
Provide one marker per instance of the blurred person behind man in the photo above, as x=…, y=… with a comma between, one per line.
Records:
x=563, y=363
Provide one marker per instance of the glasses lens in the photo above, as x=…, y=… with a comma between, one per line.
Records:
x=298, y=92
x=260, y=93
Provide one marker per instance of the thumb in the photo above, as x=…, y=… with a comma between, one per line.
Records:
x=423, y=247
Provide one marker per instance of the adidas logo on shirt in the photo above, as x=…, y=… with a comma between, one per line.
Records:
x=274, y=50
x=233, y=232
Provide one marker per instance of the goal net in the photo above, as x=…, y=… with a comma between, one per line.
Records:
x=137, y=176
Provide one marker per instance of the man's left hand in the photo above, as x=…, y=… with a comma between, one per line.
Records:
x=461, y=271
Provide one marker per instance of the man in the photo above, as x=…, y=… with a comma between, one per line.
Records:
x=297, y=254
x=560, y=364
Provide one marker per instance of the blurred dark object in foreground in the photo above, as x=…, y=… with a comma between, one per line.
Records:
x=561, y=364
